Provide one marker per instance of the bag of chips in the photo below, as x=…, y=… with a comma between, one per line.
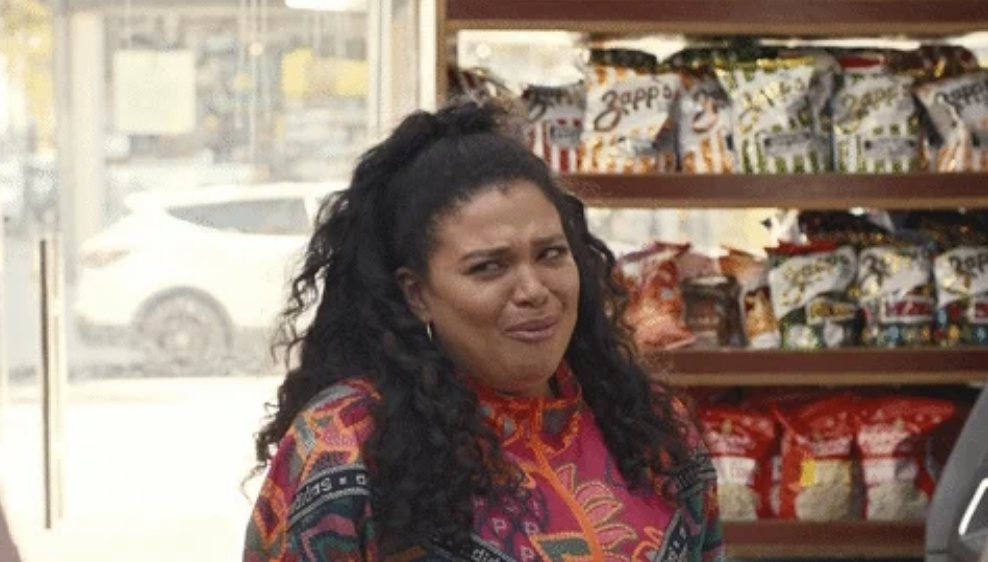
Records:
x=958, y=109
x=811, y=295
x=819, y=479
x=761, y=329
x=896, y=295
x=555, y=124
x=876, y=123
x=741, y=443
x=655, y=308
x=894, y=440
x=477, y=84
x=712, y=313
x=705, y=125
x=962, y=296
x=628, y=127
x=773, y=117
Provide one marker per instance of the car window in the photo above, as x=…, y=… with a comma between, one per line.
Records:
x=267, y=216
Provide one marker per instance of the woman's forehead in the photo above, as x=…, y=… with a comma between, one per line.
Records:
x=521, y=210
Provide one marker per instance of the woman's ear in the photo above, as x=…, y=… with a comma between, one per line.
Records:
x=413, y=289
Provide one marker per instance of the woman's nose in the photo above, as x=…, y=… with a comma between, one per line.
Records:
x=530, y=289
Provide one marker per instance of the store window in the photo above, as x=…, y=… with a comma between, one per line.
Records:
x=234, y=115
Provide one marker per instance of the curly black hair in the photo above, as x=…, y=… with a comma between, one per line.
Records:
x=430, y=452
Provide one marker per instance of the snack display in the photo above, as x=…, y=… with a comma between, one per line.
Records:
x=656, y=305
x=741, y=443
x=810, y=287
x=894, y=440
x=773, y=115
x=555, y=124
x=876, y=124
x=628, y=126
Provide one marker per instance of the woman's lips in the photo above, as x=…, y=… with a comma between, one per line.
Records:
x=533, y=331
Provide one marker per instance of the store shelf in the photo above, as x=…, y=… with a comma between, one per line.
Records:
x=844, y=367
x=790, y=540
x=817, y=191
x=724, y=17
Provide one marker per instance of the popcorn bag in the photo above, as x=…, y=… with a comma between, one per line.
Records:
x=774, y=127
x=555, y=124
x=958, y=110
x=876, y=124
x=705, y=126
x=894, y=440
x=896, y=294
x=741, y=443
x=819, y=480
x=628, y=127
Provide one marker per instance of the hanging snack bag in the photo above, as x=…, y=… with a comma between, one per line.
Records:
x=958, y=109
x=555, y=124
x=876, y=122
x=826, y=71
x=628, y=127
x=811, y=295
x=761, y=329
x=741, y=443
x=773, y=117
x=819, y=480
x=655, y=308
x=705, y=125
x=894, y=440
x=896, y=295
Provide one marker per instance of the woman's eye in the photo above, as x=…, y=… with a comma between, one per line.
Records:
x=486, y=267
x=555, y=253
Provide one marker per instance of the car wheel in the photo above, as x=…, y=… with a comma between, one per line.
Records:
x=184, y=335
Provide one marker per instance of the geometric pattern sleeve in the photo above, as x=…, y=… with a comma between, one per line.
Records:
x=314, y=505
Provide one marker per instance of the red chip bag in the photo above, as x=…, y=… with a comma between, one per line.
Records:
x=655, y=309
x=781, y=400
x=818, y=473
x=894, y=439
x=741, y=443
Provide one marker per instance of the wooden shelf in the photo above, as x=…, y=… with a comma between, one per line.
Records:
x=724, y=17
x=817, y=191
x=797, y=539
x=844, y=367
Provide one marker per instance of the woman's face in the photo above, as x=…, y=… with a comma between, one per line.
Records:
x=502, y=289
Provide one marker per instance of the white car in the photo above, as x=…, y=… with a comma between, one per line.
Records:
x=185, y=274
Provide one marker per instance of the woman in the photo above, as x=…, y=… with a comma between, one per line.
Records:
x=464, y=390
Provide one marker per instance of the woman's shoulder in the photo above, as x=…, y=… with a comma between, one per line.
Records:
x=340, y=412
x=696, y=472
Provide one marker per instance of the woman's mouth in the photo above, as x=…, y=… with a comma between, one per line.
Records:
x=533, y=331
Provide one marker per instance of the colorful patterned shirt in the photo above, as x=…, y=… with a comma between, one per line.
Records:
x=315, y=504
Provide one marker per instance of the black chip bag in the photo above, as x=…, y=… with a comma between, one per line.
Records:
x=811, y=295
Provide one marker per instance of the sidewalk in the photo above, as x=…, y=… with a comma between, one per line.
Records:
x=153, y=470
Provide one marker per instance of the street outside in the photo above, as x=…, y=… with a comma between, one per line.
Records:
x=152, y=467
